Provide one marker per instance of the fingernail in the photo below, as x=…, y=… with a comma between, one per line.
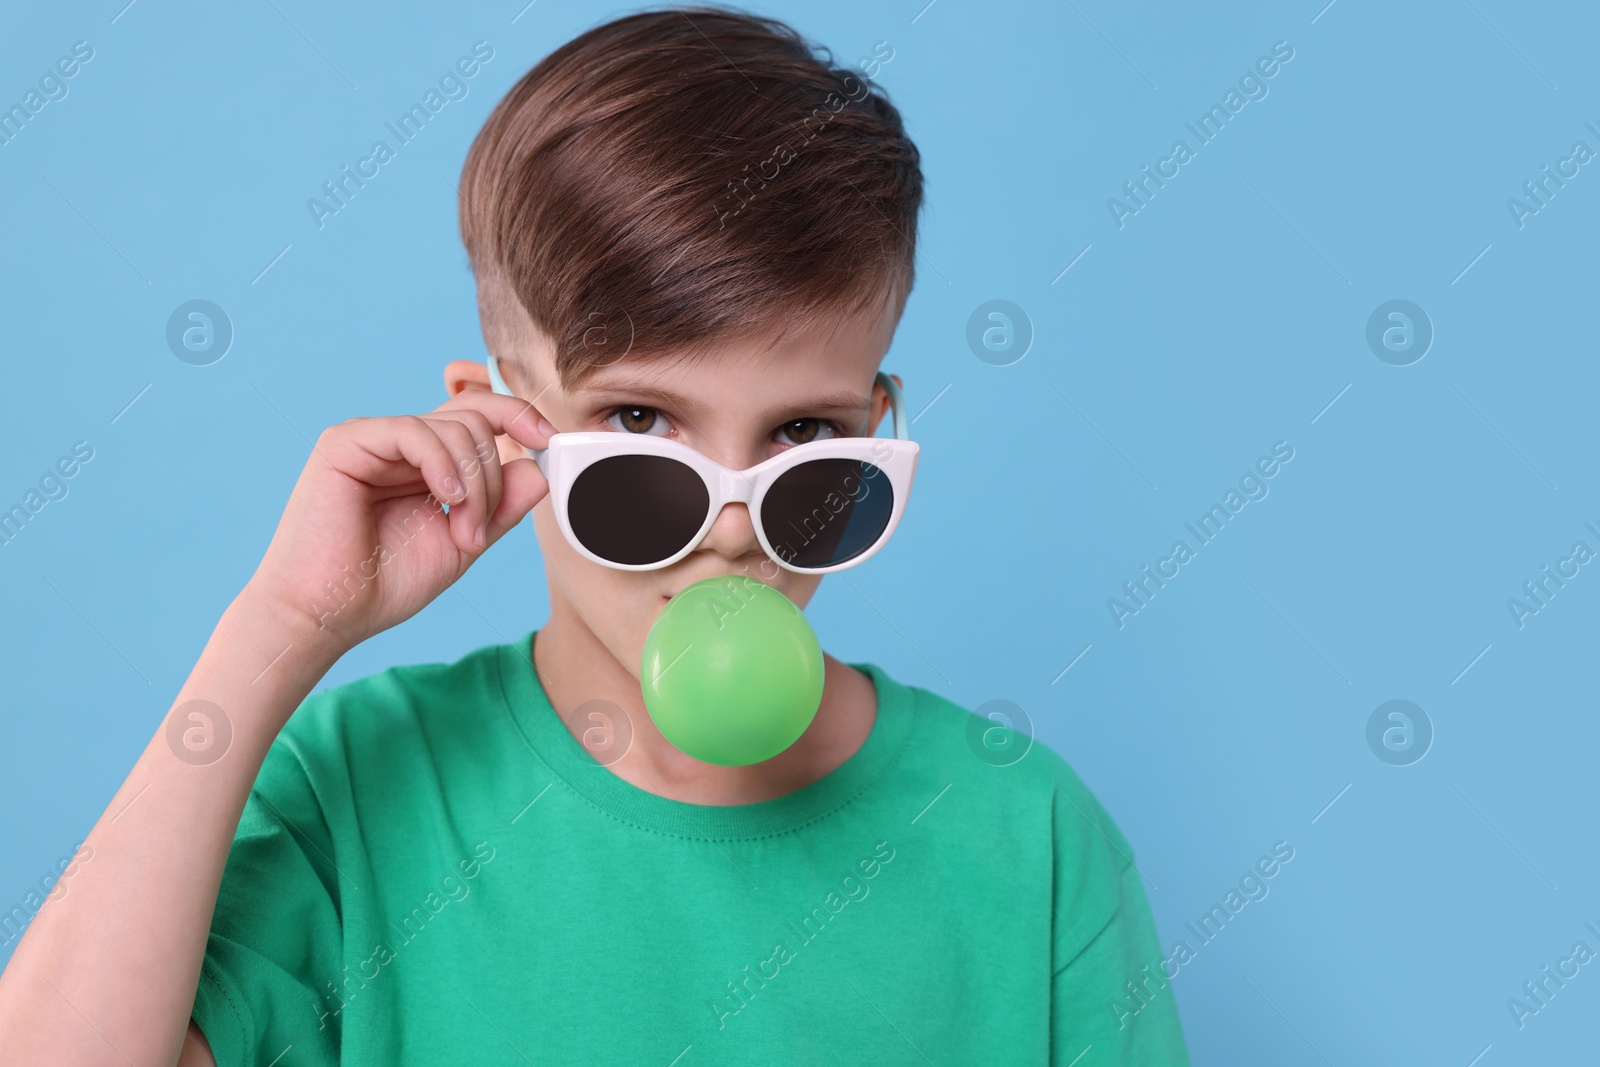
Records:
x=545, y=427
x=480, y=537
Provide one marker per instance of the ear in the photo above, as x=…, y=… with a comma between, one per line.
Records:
x=462, y=374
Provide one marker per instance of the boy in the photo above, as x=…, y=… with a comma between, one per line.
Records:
x=685, y=226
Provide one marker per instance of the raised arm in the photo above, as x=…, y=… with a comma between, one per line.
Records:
x=108, y=970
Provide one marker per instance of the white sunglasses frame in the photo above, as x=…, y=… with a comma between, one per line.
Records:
x=570, y=453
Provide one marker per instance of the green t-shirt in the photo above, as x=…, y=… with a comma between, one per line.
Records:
x=431, y=869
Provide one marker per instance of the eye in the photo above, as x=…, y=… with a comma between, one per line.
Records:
x=634, y=418
x=804, y=431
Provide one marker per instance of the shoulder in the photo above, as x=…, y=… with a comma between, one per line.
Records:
x=996, y=751
x=1029, y=802
x=996, y=755
x=402, y=715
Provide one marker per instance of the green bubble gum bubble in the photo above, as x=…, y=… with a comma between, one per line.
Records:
x=732, y=672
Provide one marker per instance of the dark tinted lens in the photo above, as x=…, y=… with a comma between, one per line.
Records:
x=637, y=509
x=827, y=511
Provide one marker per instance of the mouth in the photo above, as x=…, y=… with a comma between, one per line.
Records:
x=665, y=597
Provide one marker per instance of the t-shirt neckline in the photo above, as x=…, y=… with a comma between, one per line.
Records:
x=530, y=708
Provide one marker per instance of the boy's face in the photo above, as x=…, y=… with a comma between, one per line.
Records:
x=740, y=403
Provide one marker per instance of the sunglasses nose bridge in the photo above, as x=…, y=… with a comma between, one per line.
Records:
x=736, y=486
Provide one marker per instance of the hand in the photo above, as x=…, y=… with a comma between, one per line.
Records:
x=364, y=543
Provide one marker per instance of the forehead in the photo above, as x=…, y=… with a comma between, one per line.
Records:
x=829, y=368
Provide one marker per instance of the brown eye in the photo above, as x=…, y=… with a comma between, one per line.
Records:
x=804, y=431
x=634, y=419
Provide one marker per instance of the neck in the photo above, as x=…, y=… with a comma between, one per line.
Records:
x=575, y=667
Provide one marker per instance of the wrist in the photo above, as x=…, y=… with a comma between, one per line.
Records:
x=260, y=663
x=271, y=622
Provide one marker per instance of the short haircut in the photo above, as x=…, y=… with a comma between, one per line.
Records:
x=681, y=178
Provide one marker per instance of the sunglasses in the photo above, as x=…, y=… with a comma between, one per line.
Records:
x=638, y=502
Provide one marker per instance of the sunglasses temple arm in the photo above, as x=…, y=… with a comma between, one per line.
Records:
x=896, y=404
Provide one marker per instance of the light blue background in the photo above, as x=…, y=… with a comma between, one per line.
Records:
x=1225, y=316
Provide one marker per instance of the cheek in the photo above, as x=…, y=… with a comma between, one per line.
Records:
x=544, y=525
x=804, y=587
x=570, y=572
x=617, y=606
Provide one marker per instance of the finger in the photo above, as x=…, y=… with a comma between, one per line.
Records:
x=509, y=415
x=472, y=513
x=486, y=452
x=345, y=448
x=388, y=442
x=525, y=486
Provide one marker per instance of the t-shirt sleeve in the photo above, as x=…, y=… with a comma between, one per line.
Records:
x=1108, y=990
x=276, y=938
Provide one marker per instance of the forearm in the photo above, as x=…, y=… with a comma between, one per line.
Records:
x=107, y=970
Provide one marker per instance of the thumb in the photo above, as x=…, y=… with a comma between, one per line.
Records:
x=522, y=486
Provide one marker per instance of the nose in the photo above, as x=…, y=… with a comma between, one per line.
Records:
x=733, y=534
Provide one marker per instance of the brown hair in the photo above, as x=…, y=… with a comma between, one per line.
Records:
x=681, y=177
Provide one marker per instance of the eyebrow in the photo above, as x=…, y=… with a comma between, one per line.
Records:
x=836, y=403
